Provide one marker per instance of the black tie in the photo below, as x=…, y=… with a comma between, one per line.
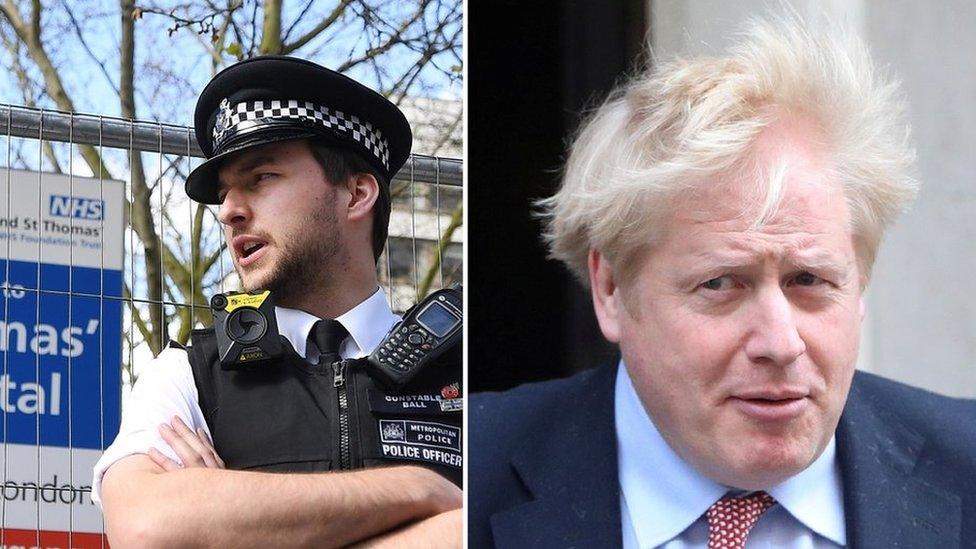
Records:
x=328, y=335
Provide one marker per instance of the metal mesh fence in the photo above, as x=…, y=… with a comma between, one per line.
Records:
x=103, y=260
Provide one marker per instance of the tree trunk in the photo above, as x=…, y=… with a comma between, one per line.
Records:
x=271, y=30
x=141, y=215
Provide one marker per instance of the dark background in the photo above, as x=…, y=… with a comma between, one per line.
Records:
x=533, y=67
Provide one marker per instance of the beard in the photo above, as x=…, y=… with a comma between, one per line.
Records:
x=309, y=257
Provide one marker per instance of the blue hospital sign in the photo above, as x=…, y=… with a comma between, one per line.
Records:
x=53, y=347
x=60, y=348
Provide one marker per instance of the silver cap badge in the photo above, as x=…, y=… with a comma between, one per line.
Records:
x=222, y=124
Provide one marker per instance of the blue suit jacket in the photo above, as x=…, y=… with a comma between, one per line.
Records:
x=543, y=466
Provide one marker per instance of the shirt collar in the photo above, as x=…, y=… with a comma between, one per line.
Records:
x=366, y=323
x=814, y=496
x=665, y=495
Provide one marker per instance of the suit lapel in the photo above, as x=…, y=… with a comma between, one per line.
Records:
x=885, y=505
x=571, y=471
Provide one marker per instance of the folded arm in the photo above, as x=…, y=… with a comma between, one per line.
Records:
x=444, y=531
x=171, y=490
x=147, y=506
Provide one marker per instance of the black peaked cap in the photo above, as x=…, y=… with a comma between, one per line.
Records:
x=275, y=98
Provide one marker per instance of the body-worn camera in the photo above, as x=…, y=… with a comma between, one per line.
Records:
x=246, y=328
x=428, y=330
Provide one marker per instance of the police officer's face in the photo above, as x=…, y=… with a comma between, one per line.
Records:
x=280, y=218
x=741, y=342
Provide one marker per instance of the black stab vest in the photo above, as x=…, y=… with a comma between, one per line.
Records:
x=285, y=415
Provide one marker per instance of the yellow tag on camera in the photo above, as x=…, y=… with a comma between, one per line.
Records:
x=246, y=328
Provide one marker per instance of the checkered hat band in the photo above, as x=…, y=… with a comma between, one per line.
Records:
x=248, y=116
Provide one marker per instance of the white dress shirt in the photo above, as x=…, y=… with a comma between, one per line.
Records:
x=663, y=499
x=166, y=388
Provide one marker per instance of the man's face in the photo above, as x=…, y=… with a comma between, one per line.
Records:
x=742, y=342
x=281, y=218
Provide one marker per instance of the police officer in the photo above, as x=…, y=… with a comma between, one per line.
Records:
x=299, y=159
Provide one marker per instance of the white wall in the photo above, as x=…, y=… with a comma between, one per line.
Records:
x=921, y=325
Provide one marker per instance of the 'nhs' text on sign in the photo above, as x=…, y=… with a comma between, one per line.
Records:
x=77, y=207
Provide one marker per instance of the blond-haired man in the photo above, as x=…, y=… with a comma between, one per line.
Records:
x=725, y=213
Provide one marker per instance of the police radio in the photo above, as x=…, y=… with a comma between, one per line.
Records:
x=246, y=328
x=428, y=330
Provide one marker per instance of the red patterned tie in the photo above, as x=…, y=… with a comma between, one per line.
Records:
x=731, y=518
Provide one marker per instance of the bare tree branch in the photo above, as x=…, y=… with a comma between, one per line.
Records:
x=136, y=319
x=457, y=217
x=447, y=133
x=27, y=90
x=88, y=50
x=36, y=18
x=212, y=49
x=212, y=258
x=30, y=35
x=298, y=19
x=325, y=24
x=394, y=39
x=254, y=31
x=204, y=24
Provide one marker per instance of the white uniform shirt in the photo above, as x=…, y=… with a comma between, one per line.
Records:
x=166, y=387
x=663, y=499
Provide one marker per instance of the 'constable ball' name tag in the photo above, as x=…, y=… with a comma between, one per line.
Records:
x=422, y=404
